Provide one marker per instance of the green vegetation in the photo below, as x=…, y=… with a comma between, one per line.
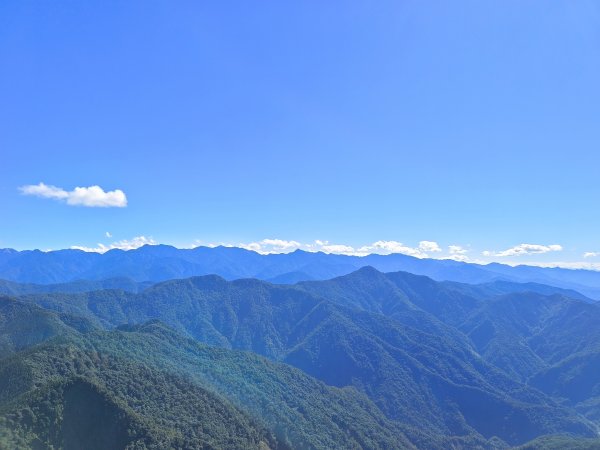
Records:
x=561, y=443
x=175, y=392
x=380, y=361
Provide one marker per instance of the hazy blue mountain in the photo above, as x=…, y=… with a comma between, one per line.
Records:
x=402, y=339
x=522, y=332
x=126, y=284
x=500, y=287
x=162, y=262
x=392, y=293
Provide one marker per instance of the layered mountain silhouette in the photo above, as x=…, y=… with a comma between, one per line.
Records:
x=162, y=262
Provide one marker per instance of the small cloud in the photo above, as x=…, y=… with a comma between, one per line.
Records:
x=457, y=253
x=459, y=258
x=108, y=235
x=388, y=247
x=269, y=246
x=92, y=196
x=587, y=265
x=339, y=249
x=429, y=246
x=125, y=244
x=591, y=254
x=281, y=244
x=525, y=249
x=254, y=246
x=456, y=250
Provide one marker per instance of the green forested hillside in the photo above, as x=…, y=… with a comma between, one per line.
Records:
x=401, y=339
x=23, y=325
x=561, y=442
x=127, y=406
x=172, y=391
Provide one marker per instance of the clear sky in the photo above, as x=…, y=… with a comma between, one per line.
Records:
x=475, y=124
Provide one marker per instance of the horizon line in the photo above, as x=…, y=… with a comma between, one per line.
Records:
x=550, y=265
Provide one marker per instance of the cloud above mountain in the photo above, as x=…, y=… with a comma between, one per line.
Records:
x=125, y=244
x=423, y=249
x=266, y=246
x=92, y=196
x=525, y=249
x=457, y=253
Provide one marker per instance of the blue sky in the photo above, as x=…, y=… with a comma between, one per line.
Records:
x=472, y=124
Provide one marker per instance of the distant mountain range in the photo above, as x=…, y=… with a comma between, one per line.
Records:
x=161, y=262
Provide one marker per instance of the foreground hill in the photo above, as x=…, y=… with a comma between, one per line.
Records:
x=162, y=262
x=149, y=387
x=406, y=341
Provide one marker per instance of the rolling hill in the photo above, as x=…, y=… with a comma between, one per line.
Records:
x=147, y=386
x=403, y=340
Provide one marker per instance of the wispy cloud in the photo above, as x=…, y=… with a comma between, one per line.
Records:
x=525, y=249
x=388, y=247
x=125, y=244
x=429, y=246
x=457, y=253
x=340, y=249
x=587, y=265
x=92, y=196
x=453, y=252
x=456, y=250
x=268, y=246
x=272, y=246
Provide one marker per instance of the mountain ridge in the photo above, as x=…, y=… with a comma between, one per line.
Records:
x=396, y=337
x=161, y=262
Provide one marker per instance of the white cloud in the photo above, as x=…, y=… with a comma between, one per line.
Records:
x=339, y=249
x=254, y=246
x=525, y=249
x=43, y=190
x=563, y=264
x=92, y=196
x=429, y=246
x=456, y=250
x=388, y=247
x=460, y=258
x=268, y=246
x=125, y=244
x=457, y=253
x=280, y=244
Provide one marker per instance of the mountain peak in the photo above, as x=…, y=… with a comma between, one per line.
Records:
x=365, y=272
x=368, y=270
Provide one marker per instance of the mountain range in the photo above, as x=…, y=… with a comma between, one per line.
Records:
x=363, y=360
x=162, y=262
